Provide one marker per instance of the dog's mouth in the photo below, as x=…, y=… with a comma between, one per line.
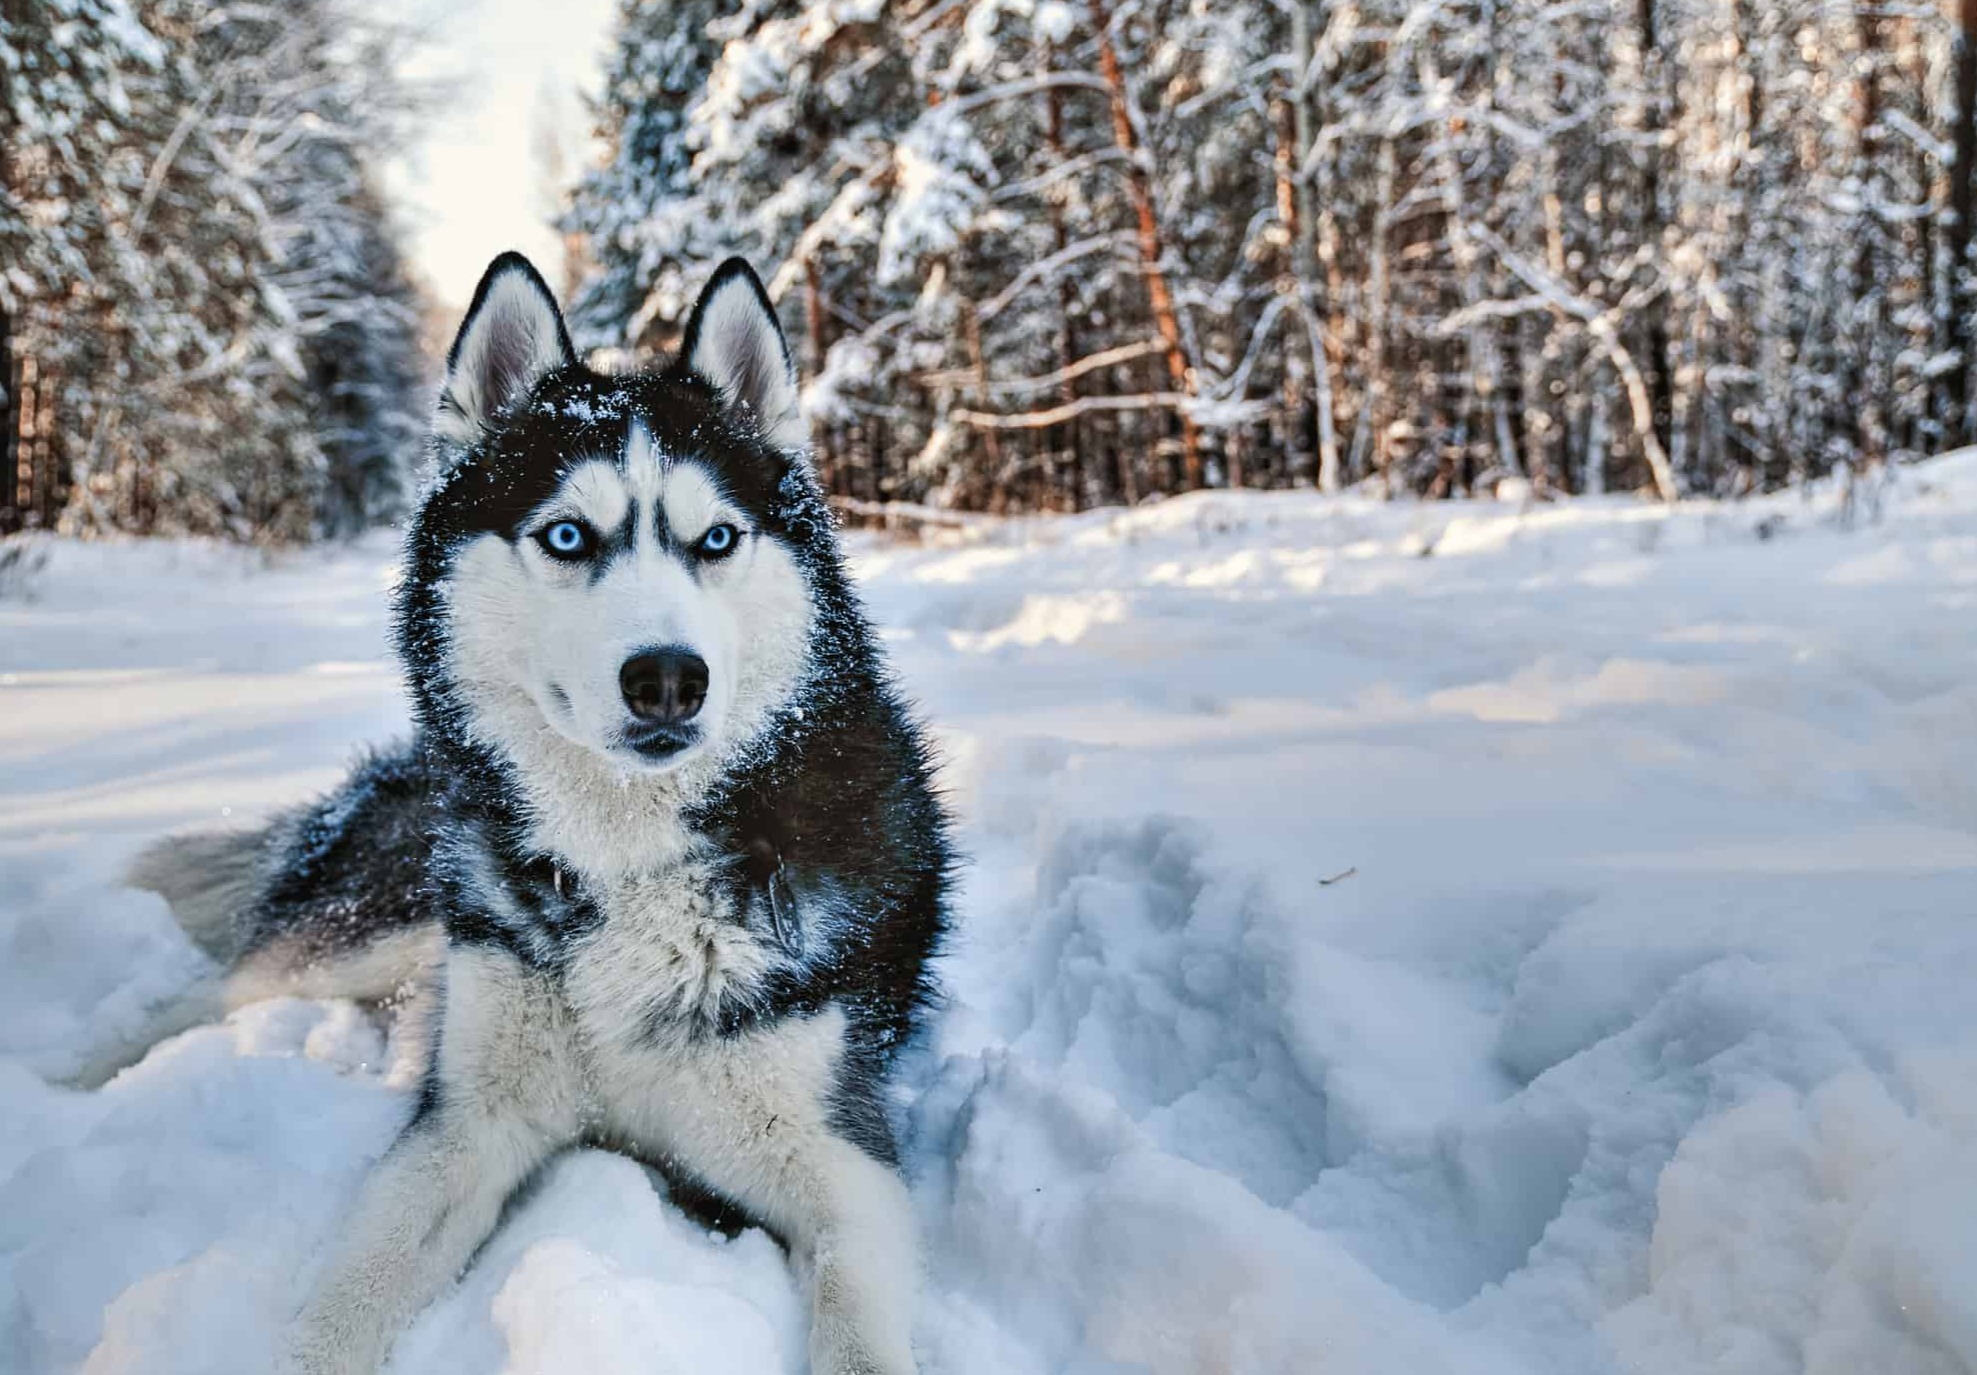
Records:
x=658, y=743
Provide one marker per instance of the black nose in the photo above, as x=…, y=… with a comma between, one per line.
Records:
x=664, y=685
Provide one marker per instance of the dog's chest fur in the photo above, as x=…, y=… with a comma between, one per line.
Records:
x=647, y=995
x=672, y=953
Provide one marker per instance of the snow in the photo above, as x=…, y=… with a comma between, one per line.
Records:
x=1482, y=937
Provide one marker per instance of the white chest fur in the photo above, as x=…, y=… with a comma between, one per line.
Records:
x=668, y=955
x=642, y=992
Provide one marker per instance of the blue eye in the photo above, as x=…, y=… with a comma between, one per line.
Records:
x=719, y=542
x=566, y=539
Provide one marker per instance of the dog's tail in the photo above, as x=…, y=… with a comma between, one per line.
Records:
x=204, y=1001
x=325, y=901
x=210, y=880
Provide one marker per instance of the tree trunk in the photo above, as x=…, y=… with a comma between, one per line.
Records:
x=1369, y=439
x=1299, y=366
x=1660, y=364
x=815, y=346
x=11, y=503
x=10, y=484
x=1963, y=203
x=1866, y=393
x=1303, y=224
x=1139, y=185
x=1067, y=297
x=1000, y=497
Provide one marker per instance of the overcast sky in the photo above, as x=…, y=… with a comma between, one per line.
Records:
x=475, y=184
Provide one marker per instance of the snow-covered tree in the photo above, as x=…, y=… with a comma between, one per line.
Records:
x=636, y=214
x=1057, y=252
x=65, y=100
x=210, y=319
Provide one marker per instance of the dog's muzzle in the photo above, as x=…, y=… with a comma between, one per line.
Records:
x=664, y=690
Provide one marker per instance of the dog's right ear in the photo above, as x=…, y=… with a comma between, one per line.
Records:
x=512, y=336
x=734, y=341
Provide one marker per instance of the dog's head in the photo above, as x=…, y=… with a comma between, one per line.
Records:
x=614, y=569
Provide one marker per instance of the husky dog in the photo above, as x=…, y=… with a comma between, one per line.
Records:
x=664, y=847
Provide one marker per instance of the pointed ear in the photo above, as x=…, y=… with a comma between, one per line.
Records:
x=734, y=341
x=512, y=336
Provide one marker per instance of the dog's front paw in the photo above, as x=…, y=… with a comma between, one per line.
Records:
x=317, y=1345
x=307, y=1357
x=839, y=1345
x=851, y=1358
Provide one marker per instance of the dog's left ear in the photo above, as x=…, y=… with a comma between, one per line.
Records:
x=734, y=341
x=513, y=335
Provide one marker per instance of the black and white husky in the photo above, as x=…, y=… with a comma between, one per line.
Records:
x=663, y=849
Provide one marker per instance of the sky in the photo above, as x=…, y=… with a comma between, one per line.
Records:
x=516, y=72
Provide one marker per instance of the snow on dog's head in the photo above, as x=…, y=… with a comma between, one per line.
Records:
x=614, y=572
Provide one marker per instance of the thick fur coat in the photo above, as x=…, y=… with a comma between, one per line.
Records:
x=662, y=867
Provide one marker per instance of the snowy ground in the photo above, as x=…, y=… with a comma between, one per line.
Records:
x=1400, y=939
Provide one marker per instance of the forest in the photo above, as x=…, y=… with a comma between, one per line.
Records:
x=206, y=311
x=1049, y=255
x=1034, y=254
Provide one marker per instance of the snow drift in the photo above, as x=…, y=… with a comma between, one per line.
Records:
x=1398, y=938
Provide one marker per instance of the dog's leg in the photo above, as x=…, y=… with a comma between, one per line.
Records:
x=501, y=1101
x=751, y=1117
x=853, y=1233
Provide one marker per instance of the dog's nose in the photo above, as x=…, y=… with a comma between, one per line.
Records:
x=664, y=685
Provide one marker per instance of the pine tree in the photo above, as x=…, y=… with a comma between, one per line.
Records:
x=636, y=214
